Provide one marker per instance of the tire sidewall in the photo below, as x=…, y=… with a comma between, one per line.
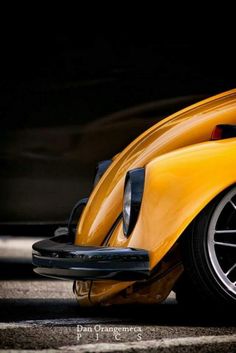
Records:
x=198, y=265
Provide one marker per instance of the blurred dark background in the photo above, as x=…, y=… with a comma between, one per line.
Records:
x=68, y=100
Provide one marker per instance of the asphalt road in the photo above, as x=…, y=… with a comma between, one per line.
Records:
x=38, y=314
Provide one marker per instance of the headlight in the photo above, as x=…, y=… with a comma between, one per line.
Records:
x=133, y=193
x=100, y=170
x=127, y=206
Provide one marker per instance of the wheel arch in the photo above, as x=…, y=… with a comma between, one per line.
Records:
x=220, y=195
x=178, y=186
x=194, y=284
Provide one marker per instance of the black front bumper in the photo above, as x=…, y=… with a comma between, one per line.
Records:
x=57, y=257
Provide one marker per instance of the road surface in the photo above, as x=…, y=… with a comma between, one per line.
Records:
x=38, y=314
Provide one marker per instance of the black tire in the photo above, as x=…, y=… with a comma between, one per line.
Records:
x=200, y=280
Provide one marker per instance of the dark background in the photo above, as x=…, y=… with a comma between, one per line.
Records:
x=58, y=95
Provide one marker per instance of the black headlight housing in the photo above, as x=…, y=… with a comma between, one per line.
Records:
x=133, y=193
x=100, y=170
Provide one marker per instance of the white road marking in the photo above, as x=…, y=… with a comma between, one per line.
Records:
x=142, y=346
x=16, y=247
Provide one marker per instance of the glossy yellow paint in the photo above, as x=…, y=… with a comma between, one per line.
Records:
x=178, y=186
x=189, y=126
x=171, y=197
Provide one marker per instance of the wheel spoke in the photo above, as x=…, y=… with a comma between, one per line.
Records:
x=226, y=231
x=232, y=245
x=230, y=270
x=222, y=240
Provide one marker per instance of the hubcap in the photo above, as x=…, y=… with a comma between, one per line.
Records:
x=221, y=241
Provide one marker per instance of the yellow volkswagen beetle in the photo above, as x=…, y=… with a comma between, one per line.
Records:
x=161, y=217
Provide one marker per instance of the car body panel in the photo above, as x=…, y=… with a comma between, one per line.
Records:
x=171, y=200
x=189, y=126
x=171, y=150
x=184, y=170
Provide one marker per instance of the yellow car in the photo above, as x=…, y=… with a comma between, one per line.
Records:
x=161, y=217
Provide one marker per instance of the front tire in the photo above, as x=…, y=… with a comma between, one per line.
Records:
x=209, y=253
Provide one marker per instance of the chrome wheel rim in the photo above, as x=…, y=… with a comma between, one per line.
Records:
x=221, y=241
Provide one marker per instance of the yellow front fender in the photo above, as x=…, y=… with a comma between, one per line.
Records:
x=183, y=174
x=178, y=186
x=190, y=126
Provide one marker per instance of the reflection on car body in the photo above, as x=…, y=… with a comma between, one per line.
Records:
x=161, y=217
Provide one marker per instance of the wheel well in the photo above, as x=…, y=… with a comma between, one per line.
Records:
x=183, y=285
x=218, y=196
